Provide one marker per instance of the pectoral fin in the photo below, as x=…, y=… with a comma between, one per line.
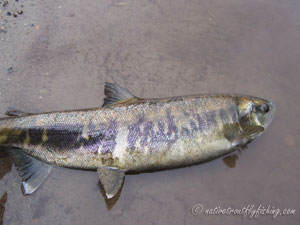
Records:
x=253, y=131
x=111, y=179
x=232, y=132
x=238, y=135
x=32, y=171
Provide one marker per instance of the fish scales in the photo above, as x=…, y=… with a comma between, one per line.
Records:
x=148, y=135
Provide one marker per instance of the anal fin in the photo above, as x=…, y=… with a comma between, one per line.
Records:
x=111, y=179
x=32, y=171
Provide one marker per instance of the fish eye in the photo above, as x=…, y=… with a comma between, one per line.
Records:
x=265, y=108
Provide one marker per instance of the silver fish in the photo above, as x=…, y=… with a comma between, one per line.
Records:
x=129, y=134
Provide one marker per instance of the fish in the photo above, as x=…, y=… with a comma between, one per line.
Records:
x=129, y=135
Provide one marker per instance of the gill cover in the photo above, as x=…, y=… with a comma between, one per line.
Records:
x=245, y=107
x=249, y=121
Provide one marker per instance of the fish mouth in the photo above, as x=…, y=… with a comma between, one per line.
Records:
x=271, y=114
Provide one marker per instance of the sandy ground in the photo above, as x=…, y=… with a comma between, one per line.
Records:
x=57, y=55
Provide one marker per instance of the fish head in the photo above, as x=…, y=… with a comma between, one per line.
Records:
x=255, y=112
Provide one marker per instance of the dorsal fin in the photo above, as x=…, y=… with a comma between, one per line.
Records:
x=114, y=94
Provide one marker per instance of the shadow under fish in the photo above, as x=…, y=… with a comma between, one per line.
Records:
x=110, y=202
x=5, y=164
x=2, y=206
x=5, y=167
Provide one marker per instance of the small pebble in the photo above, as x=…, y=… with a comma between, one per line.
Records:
x=10, y=69
x=20, y=12
x=15, y=15
x=5, y=3
x=2, y=31
x=9, y=13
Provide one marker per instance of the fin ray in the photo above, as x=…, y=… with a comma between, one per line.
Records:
x=237, y=134
x=114, y=94
x=253, y=130
x=32, y=171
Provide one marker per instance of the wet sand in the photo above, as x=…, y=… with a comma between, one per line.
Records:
x=57, y=55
